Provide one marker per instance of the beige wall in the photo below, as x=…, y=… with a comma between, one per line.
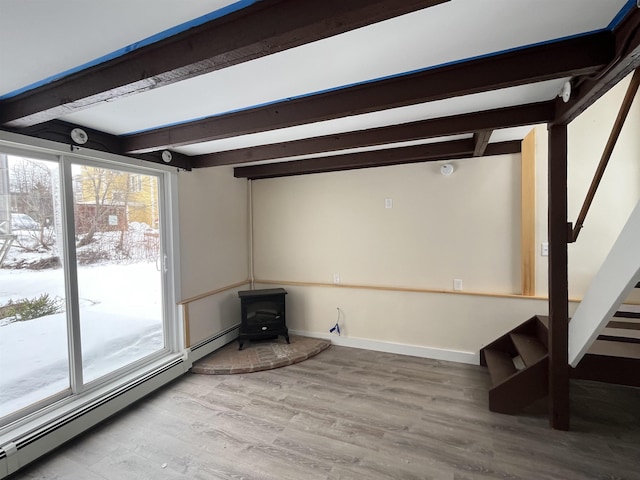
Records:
x=213, y=246
x=616, y=197
x=453, y=322
x=464, y=226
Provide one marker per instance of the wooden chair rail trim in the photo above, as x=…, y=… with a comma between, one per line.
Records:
x=213, y=292
x=410, y=290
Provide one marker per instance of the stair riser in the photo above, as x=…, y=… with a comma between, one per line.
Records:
x=601, y=368
x=529, y=348
x=627, y=314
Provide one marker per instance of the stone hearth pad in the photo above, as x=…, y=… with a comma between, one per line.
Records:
x=259, y=355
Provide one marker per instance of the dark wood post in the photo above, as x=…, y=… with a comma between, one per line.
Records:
x=558, y=280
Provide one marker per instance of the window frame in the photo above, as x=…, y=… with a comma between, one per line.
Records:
x=173, y=332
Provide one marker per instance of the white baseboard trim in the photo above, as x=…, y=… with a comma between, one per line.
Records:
x=399, y=348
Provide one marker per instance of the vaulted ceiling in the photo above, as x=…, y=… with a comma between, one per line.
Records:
x=286, y=87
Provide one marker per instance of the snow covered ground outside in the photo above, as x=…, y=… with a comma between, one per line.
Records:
x=121, y=321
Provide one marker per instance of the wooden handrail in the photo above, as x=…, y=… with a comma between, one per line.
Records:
x=606, y=155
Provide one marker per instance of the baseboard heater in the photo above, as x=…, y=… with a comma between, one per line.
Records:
x=211, y=344
x=214, y=338
x=30, y=446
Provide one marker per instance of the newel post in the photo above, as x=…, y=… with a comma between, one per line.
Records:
x=558, y=280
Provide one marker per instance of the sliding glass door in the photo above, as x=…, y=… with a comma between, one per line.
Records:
x=119, y=279
x=33, y=323
x=81, y=277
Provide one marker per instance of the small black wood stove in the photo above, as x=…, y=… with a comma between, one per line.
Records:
x=263, y=314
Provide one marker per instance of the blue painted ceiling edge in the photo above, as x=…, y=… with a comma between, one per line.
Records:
x=137, y=45
x=629, y=5
x=613, y=24
x=364, y=82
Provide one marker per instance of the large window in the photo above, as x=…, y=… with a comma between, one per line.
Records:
x=33, y=327
x=82, y=281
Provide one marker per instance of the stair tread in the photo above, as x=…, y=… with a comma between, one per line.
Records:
x=624, y=325
x=500, y=365
x=530, y=348
x=621, y=332
x=615, y=349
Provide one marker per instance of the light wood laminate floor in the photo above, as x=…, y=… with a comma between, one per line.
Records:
x=352, y=414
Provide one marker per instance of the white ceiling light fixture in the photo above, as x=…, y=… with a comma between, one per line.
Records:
x=446, y=169
x=79, y=136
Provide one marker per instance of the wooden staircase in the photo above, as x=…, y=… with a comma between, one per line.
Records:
x=615, y=356
x=518, y=362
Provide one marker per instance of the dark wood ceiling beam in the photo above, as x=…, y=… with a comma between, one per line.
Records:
x=566, y=58
x=58, y=131
x=261, y=29
x=481, y=140
x=520, y=115
x=432, y=152
x=588, y=89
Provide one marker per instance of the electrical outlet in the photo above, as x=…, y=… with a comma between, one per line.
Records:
x=336, y=278
x=457, y=284
x=544, y=249
x=388, y=203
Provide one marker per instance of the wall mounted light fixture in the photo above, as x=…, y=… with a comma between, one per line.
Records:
x=79, y=136
x=565, y=93
x=166, y=156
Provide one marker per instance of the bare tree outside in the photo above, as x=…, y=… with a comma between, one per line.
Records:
x=31, y=194
x=114, y=201
x=116, y=214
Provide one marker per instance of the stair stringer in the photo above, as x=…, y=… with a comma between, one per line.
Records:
x=521, y=389
x=618, y=275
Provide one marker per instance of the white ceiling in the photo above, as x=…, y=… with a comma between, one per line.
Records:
x=44, y=38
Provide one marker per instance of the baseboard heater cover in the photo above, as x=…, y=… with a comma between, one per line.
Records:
x=8, y=465
x=95, y=404
x=214, y=338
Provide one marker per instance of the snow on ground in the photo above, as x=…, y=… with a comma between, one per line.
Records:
x=120, y=317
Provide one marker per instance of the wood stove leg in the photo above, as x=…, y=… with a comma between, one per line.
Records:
x=241, y=344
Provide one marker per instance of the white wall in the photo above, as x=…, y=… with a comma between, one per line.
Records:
x=213, y=246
